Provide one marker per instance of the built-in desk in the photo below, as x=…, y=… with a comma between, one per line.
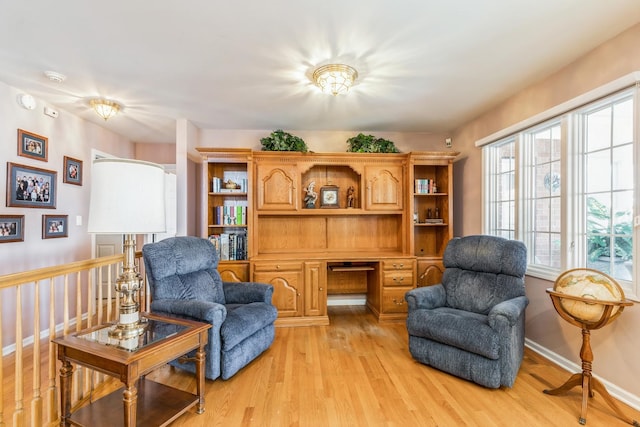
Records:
x=393, y=215
x=302, y=284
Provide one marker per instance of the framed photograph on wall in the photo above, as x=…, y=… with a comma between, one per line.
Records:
x=11, y=228
x=29, y=187
x=32, y=145
x=54, y=226
x=72, y=171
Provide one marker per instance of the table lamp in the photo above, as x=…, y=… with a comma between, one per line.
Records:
x=127, y=197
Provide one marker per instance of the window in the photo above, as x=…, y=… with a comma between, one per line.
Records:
x=607, y=141
x=502, y=171
x=542, y=194
x=566, y=187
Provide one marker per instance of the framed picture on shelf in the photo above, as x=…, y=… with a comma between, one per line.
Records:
x=29, y=187
x=329, y=196
x=11, y=228
x=32, y=145
x=72, y=171
x=55, y=226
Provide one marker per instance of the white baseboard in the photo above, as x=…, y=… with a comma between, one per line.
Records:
x=11, y=348
x=615, y=391
x=355, y=299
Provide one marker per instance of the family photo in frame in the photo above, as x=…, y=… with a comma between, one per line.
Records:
x=72, y=171
x=11, y=228
x=55, y=226
x=31, y=187
x=32, y=145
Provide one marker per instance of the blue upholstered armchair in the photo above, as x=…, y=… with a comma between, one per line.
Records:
x=472, y=324
x=184, y=282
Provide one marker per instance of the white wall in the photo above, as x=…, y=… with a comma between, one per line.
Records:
x=68, y=136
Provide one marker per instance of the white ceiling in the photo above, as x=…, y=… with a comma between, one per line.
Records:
x=424, y=65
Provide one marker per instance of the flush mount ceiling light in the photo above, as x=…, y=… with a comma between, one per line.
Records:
x=335, y=78
x=105, y=108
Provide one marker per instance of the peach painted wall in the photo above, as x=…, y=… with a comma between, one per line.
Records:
x=163, y=154
x=615, y=347
x=320, y=141
x=68, y=136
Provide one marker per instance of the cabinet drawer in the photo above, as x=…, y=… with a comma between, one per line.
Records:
x=398, y=278
x=398, y=264
x=393, y=300
x=277, y=266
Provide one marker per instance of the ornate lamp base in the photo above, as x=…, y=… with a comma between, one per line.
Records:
x=128, y=285
x=123, y=332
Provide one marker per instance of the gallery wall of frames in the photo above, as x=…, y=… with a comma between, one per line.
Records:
x=31, y=186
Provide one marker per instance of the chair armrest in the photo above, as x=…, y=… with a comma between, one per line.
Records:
x=509, y=310
x=426, y=297
x=203, y=311
x=247, y=292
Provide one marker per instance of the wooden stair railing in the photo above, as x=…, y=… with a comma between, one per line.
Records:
x=38, y=305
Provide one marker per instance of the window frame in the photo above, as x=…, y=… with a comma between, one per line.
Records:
x=572, y=184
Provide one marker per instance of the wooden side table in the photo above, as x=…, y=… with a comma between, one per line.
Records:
x=144, y=402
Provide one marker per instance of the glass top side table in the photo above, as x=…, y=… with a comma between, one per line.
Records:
x=145, y=402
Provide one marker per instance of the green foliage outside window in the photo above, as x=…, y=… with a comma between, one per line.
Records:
x=599, y=229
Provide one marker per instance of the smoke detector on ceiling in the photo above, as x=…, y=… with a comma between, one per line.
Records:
x=55, y=77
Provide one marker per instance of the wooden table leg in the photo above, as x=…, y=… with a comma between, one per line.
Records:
x=66, y=371
x=130, y=403
x=200, y=358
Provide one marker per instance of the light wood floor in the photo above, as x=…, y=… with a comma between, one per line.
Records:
x=357, y=372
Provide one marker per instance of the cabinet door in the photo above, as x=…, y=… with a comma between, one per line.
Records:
x=234, y=271
x=315, y=289
x=430, y=272
x=287, y=280
x=277, y=187
x=384, y=187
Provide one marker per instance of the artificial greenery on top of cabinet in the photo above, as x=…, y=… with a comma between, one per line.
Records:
x=280, y=140
x=362, y=143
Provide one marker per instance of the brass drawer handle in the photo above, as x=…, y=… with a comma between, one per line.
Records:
x=398, y=279
x=396, y=266
x=395, y=301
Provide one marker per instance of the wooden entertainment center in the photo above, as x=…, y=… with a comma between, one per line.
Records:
x=387, y=240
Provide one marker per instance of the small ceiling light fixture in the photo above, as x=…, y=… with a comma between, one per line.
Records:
x=335, y=78
x=27, y=101
x=105, y=107
x=55, y=77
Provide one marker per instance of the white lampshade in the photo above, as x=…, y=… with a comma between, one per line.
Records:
x=127, y=197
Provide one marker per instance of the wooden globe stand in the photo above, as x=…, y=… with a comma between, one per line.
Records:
x=585, y=379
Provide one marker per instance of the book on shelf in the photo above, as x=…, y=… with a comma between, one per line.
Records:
x=434, y=221
x=230, y=214
x=231, y=182
x=230, y=246
x=425, y=186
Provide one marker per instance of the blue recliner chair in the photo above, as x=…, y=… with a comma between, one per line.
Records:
x=184, y=282
x=472, y=324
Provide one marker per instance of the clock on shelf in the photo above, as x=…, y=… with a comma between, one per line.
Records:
x=329, y=196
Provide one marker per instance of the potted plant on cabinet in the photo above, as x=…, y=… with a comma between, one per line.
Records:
x=280, y=140
x=362, y=143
